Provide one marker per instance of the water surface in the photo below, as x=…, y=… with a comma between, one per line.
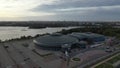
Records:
x=16, y=32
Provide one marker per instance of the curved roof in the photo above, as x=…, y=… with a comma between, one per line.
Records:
x=55, y=39
x=79, y=35
x=92, y=36
x=86, y=35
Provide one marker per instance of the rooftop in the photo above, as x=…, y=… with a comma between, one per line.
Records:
x=56, y=39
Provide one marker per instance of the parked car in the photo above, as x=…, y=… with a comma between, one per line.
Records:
x=108, y=50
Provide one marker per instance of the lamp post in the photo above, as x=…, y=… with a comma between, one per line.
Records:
x=66, y=49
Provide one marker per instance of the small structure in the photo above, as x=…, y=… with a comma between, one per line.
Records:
x=111, y=41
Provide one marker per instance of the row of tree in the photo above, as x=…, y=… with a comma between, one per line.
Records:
x=104, y=29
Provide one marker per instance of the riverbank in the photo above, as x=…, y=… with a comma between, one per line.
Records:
x=8, y=33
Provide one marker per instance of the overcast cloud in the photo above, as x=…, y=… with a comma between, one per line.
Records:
x=83, y=9
x=80, y=10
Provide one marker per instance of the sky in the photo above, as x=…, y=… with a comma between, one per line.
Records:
x=60, y=10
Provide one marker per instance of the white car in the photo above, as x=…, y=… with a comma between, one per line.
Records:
x=108, y=50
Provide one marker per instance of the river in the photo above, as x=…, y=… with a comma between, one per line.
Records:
x=7, y=33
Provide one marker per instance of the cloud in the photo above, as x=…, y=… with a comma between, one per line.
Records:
x=82, y=9
x=20, y=8
x=68, y=4
x=61, y=9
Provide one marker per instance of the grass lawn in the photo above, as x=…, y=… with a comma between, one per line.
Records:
x=105, y=65
x=119, y=46
x=76, y=59
x=109, y=63
x=113, y=60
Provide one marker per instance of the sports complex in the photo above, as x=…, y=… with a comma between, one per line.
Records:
x=56, y=41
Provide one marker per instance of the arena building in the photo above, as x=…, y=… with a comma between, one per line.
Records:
x=54, y=41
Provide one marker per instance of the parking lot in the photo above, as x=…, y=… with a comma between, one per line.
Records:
x=24, y=54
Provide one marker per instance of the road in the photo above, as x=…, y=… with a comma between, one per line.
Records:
x=5, y=59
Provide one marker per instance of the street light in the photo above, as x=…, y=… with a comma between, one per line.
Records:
x=66, y=49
